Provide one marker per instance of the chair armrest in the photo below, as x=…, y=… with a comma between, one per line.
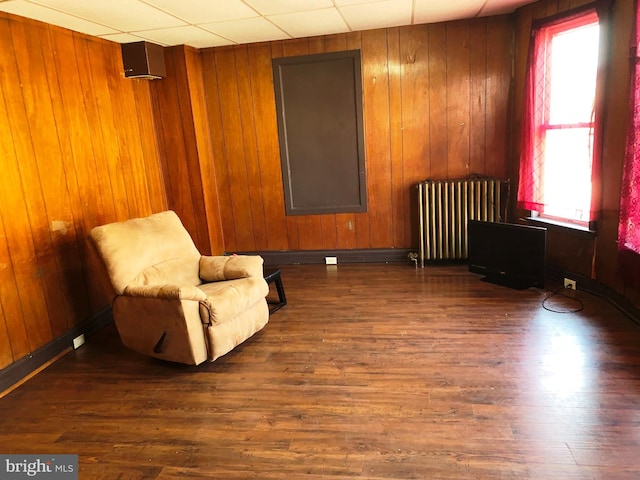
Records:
x=152, y=320
x=218, y=268
x=166, y=292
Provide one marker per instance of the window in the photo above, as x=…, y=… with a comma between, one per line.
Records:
x=559, y=171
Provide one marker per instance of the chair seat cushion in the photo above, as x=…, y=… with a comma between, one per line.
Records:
x=227, y=299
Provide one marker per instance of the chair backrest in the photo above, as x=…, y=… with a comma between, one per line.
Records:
x=150, y=250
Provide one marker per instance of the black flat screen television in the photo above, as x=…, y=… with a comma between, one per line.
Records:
x=507, y=253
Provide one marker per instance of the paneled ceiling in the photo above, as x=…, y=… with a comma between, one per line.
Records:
x=212, y=23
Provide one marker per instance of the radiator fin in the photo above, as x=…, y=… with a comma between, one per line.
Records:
x=444, y=210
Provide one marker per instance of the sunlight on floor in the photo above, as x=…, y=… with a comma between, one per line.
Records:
x=564, y=365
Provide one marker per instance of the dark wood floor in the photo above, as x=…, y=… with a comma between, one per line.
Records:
x=371, y=371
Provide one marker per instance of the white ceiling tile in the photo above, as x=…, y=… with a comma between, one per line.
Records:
x=306, y=24
x=122, y=37
x=292, y=18
x=428, y=11
x=124, y=15
x=388, y=13
x=188, y=35
x=247, y=31
x=341, y=3
x=276, y=7
x=205, y=11
x=47, y=15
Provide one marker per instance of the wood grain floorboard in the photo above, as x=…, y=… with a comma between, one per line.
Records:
x=370, y=371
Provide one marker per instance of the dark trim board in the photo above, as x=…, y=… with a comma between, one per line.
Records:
x=15, y=372
x=291, y=257
x=596, y=288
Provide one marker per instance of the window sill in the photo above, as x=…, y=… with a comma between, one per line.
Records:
x=562, y=226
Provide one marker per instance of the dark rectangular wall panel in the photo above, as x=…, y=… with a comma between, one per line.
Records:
x=320, y=127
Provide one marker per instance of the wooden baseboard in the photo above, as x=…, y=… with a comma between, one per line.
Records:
x=20, y=370
x=596, y=288
x=294, y=257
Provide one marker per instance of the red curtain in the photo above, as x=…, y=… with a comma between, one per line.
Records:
x=532, y=146
x=629, y=227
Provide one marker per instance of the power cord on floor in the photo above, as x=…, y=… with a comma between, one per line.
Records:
x=558, y=292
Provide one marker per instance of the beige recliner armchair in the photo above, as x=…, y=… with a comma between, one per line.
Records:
x=173, y=303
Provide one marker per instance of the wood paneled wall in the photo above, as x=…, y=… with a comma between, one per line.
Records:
x=77, y=149
x=185, y=148
x=436, y=105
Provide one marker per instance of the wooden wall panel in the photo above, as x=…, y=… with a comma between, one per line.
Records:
x=37, y=250
x=477, y=97
x=70, y=159
x=458, y=100
x=150, y=149
x=400, y=202
x=56, y=193
x=498, y=95
x=266, y=130
x=76, y=134
x=193, y=65
x=214, y=116
x=426, y=114
x=614, y=141
x=412, y=72
x=67, y=207
x=14, y=342
x=236, y=164
x=438, y=127
x=17, y=244
x=190, y=162
x=105, y=156
x=254, y=178
x=377, y=120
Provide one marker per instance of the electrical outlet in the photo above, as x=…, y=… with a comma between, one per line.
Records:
x=570, y=284
x=78, y=341
x=331, y=260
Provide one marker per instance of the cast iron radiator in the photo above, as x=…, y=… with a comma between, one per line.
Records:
x=444, y=209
